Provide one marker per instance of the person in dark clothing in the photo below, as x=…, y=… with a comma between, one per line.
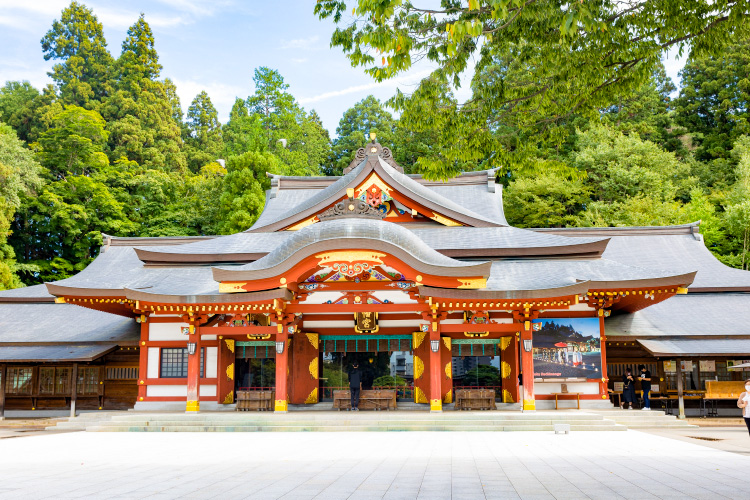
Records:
x=355, y=385
x=645, y=377
x=628, y=389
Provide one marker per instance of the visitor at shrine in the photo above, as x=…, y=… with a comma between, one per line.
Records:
x=645, y=386
x=628, y=389
x=355, y=385
x=744, y=403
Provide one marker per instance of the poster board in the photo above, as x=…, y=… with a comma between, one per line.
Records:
x=670, y=366
x=707, y=365
x=567, y=348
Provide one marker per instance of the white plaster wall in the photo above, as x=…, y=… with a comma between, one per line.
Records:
x=166, y=331
x=166, y=390
x=177, y=390
x=211, y=361
x=552, y=387
x=153, y=363
x=208, y=337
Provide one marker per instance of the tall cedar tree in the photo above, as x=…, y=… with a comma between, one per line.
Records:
x=140, y=114
x=714, y=102
x=203, y=142
x=77, y=40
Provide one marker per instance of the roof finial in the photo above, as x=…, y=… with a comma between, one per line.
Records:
x=372, y=137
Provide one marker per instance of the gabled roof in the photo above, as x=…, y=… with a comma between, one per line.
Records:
x=298, y=204
x=677, y=249
x=352, y=234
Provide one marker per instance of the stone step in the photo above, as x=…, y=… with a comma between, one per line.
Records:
x=381, y=415
x=349, y=428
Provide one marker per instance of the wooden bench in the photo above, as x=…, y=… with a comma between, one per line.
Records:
x=255, y=400
x=721, y=390
x=576, y=394
x=371, y=399
x=475, y=399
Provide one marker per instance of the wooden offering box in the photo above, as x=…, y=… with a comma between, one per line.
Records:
x=255, y=400
x=475, y=399
x=374, y=399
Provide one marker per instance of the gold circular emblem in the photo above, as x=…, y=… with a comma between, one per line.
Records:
x=351, y=207
x=373, y=150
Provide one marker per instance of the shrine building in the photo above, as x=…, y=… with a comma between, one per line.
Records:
x=374, y=261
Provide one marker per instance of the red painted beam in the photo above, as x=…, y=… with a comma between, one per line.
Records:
x=492, y=327
x=352, y=308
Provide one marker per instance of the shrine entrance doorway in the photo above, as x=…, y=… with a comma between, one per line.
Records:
x=379, y=358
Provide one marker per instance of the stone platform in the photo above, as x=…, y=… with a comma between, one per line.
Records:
x=333, y=421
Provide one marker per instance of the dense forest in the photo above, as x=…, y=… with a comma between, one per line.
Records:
x=107, y=149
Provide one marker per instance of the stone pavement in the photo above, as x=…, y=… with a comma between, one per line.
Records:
x=387, y=465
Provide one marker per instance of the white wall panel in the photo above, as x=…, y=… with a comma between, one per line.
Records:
x=153, y=363
x=212, y=361
x=552, y=387
x=166, y=331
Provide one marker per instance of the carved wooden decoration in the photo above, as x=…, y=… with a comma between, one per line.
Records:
x=352, y=207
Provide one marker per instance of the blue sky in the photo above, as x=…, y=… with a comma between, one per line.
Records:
x=215, y=45
x=586, y=326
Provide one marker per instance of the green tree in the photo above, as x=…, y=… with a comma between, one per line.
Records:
x=140, y=113
x=558, y=58
x=244, y=131
x=550, y=194
x=74, y=144
x=482, y=376
x=714, y=102
x=19, y=176
x=204, y=142
x=620, y=167
x=298, y=138
x=365, y=117
x=243, y=196
x=77, y=40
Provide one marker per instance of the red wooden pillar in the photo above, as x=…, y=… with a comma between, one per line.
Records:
x=436, y=396
x=282, y=371
x=421, y=349
x=446, y=369
x=143, y=361
x=225, y=389
x=527, y=367
x=193, y=374
x=304, y=369
x=603, y=348
x=509, y=368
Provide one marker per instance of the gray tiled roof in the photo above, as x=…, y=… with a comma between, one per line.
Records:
x=64, y=323
x=697, y=347
x=445, y=200
x=674, y=248
x=439, y=238
x=347, y=229
x=293, y=202
x=445, y=238
x=38, y=292
x=539, y=274
x=54, y=353
x=472, y=200
x=696, y=314
x=477, y=198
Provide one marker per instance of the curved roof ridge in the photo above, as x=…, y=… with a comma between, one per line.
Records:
x=342, y=234
x=430, y=195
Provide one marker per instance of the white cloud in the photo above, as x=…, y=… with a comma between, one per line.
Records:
x=407, y=80
x=222, y=95
x=197, y=7
x=300, y=43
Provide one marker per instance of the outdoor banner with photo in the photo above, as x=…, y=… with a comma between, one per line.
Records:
x=567, y=347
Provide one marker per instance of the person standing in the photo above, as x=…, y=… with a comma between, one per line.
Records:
x=645, y=387
x=744, y=403
x=628, y=389
x=355, y=385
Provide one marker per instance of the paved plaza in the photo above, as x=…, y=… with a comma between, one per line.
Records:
x=392, y=465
